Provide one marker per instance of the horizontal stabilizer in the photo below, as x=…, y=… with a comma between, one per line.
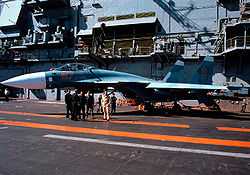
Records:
x=163, y=85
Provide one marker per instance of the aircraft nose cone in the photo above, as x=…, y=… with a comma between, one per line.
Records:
x=27, y=81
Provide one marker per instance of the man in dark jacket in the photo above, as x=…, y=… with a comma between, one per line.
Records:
x=113, y=103
x=68, y=103
x=90, y=104
x=75, y=106
x=99, y=109
x=83, y=102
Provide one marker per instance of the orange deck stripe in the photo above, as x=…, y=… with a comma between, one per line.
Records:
x=30, y=114
x=233, y=129
x=195, y=140
x=118, y=122
x=152, y=124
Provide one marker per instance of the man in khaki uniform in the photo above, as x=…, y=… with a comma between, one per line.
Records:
x=6, y=93
x=244, y=105
x=106, y=106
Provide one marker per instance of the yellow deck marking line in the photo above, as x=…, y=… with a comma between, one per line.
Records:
x=129, y=122
x=30, y=114
x=117, y=122
x=151, y=124
x=158, y=137
x=233, y=129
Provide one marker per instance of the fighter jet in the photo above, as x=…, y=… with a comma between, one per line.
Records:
x=87, y=77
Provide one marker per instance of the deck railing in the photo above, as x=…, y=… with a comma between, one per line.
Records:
x=121, y=47
x=238, y=41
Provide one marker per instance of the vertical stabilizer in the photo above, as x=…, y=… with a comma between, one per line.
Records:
x=204, y=73
x=176, y=73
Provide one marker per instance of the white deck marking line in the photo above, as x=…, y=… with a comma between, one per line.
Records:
x=5, y=127
x=154, y=147
x=51, y=102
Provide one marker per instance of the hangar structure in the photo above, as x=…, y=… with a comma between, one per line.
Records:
x=144, y=37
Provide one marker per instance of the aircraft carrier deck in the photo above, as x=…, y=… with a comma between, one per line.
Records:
x=36, y=138
x=143, y=37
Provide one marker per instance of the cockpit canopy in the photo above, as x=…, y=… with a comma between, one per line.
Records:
x=74, y=67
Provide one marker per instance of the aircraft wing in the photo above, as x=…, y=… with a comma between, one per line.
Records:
x=112, y=81
x=163, y=85
x=155, y=84
x=97, y=81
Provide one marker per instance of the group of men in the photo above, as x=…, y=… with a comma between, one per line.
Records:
x=79, y=106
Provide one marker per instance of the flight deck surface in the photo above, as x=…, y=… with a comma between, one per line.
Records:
x=36, y=138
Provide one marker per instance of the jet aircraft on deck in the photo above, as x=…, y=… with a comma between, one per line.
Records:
x=81, y=76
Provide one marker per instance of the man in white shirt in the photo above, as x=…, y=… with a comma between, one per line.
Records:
x=106, y=105
x=6, y=93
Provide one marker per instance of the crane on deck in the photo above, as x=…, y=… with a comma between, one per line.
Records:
x=182, y=19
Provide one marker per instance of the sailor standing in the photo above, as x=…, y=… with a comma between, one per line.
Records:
x=113, y=103
x=68, y=103
x=75, y=106
x=106, y=106
x=6, y=93
x=99, y=109
x=244, y=105
x=83, y=101
x=90, y=104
